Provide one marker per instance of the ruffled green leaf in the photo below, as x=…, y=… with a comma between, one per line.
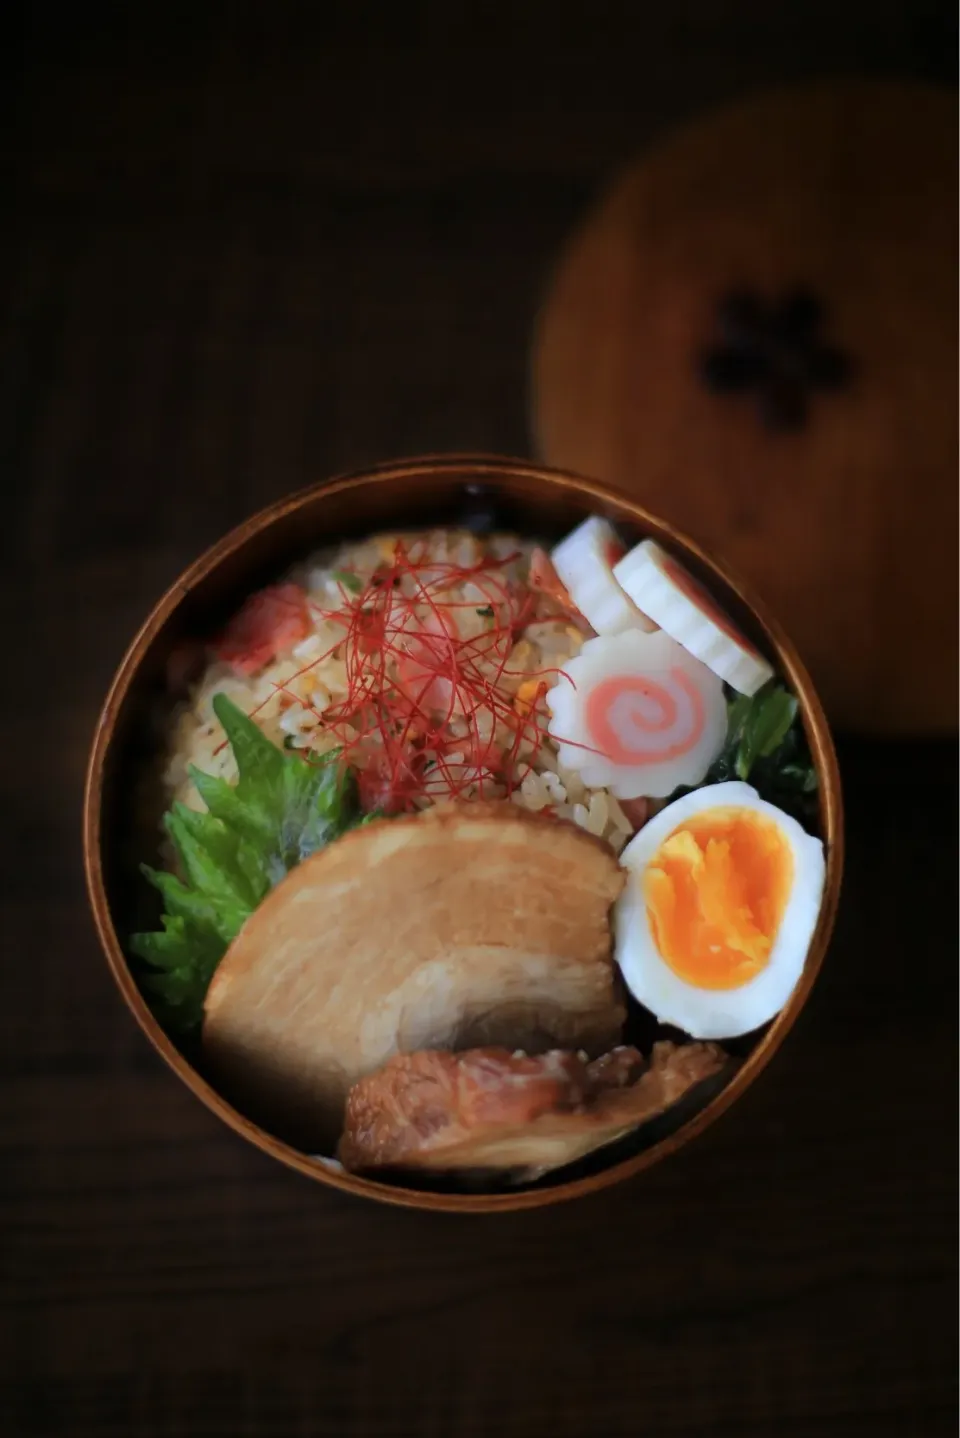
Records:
x=251, y=834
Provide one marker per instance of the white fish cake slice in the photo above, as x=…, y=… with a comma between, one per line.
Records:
x=665, y=590
x=584, y=561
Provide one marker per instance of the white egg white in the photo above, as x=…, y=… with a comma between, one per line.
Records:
x=717, y=1013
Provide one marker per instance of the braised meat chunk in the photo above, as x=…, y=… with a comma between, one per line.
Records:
x=522, y=1115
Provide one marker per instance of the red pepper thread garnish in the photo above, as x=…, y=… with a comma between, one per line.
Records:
x=409, y=673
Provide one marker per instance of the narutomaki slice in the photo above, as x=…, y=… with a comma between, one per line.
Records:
x=636, y=713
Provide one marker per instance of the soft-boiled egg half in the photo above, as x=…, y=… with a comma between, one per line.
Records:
x=722, y=897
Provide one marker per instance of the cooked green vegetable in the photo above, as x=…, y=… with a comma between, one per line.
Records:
x=765, y=745
x=758, y=725
x=353, y=582
x=281, y=809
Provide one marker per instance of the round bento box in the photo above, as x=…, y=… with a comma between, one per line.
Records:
x=512, y=495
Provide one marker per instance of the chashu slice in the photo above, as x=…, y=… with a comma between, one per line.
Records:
x=468, y=924
x=488, y=1110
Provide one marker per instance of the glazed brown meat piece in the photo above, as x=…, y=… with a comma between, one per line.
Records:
x=466, y=925
x=490, y=1109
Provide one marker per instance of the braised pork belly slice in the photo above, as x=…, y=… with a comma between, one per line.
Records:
x=468, y=924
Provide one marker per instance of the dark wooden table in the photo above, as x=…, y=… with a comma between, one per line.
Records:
x=246, y=253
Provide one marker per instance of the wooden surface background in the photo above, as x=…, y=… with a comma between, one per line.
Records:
x=245, y=252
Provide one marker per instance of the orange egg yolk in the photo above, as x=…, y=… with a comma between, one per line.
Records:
x=715, y=891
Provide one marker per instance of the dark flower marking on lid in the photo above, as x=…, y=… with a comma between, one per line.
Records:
x=772, y=350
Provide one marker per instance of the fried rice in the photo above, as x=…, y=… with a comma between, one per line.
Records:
x=289, y=695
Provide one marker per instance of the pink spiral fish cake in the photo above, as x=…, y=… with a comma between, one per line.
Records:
x=636, y=713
